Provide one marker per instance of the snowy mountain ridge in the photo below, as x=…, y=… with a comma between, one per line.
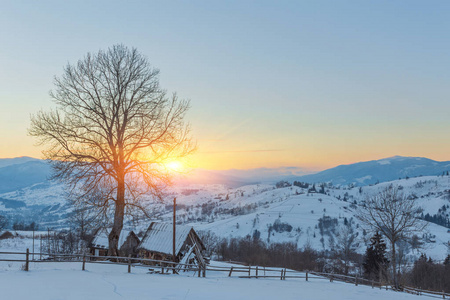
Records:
x=382, y=170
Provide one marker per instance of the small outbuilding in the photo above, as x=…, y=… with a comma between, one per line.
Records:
x=157, y=244
x=128, y=242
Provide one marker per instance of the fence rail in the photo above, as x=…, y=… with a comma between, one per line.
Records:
x=167, y=266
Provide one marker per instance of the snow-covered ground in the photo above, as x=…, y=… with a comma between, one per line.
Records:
x=67, y=281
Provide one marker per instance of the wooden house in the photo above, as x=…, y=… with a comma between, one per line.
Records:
x=128, y=242
x=157, y=244
x=129, y=245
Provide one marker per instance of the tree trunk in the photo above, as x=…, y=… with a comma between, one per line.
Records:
x=394, y=266
x=118, y=220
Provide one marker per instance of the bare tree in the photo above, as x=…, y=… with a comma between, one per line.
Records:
x=394, y=215
x=85, y=221
x=210, y=240
x=112, y=132
x=345, y=245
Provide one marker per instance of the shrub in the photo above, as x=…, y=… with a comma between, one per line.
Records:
x=6, y=235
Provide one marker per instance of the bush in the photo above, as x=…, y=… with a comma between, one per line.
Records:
x=282, y=184
x=280, y=227
x=429, y=275
x=6, y=235
x=256, y=252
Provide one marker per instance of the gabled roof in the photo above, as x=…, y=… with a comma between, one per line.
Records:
x=101, y=238
x=159, y=238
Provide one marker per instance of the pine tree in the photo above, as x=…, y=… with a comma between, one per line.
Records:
x=447, y=261
x=375, y=258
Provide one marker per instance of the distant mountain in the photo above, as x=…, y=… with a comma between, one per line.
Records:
x=236, y=177
x=18, y=173
x=371, y=172
x=4, y=162
x=360, y=174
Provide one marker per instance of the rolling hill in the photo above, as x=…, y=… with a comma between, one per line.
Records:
x=287, y=214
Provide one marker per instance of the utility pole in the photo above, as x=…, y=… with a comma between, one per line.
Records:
x=174, y=231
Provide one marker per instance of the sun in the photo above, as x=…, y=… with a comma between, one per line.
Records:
x=174, y=166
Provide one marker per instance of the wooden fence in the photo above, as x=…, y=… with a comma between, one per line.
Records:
x=249, y=271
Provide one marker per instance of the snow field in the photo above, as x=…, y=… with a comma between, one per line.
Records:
x=66, y=281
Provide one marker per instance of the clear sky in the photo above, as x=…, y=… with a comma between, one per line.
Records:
x=280, y=83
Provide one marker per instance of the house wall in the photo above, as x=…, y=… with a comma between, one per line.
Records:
x=129, y=247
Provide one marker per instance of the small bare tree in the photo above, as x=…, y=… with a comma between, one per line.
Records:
x=345, y=245
x=85, y=221
x=112, y=132
x=394, y=215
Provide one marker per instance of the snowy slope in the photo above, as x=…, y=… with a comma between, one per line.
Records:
x=44, y=203
x=257, y=208
x=289, y=214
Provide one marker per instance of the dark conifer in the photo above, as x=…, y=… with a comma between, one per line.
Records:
x=375, y=258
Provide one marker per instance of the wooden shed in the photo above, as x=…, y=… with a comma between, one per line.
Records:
x=157, y=243
x=128, y=242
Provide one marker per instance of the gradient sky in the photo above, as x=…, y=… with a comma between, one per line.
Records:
x=281, y=83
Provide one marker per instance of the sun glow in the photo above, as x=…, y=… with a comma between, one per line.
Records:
x=174, y=166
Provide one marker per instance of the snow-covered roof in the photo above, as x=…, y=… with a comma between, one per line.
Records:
x=159, y=238
x=101, y=239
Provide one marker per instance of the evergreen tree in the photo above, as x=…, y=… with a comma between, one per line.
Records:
x=447, y=261
x=322, y=188
x=375, y=258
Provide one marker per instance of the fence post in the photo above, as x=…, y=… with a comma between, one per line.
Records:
x=129, y=263
x=443, y=294
x=281, y=278
x=199, y=270
x=306, y=276
x=284, y=276
x=256, y=272
x=249, y=269
x=84, y=262
x=356, y=280
x=27, y=259
x=231, y=271
x=372, y=283
x=331, y=278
